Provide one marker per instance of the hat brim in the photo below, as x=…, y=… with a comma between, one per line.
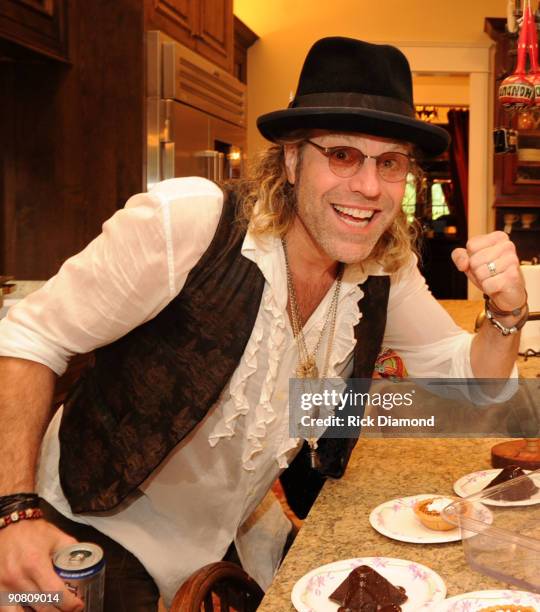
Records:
x=432, y=139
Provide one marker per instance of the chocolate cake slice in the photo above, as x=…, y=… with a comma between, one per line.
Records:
x=365, y=590
x=524, y=490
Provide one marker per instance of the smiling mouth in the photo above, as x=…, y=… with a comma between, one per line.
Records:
x=354, y=216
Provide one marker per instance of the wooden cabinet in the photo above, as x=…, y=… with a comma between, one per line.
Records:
x=244, y=37
x=522, y=224
x=38, y=25
x=72, y=138
x=206, y=26
x=516, y=174
x=74, y=133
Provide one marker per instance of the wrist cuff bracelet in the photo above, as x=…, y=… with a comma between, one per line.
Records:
x=494, y=309
x=18, y=501
x=507, y=331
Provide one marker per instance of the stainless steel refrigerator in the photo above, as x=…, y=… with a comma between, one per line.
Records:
x=196, y=115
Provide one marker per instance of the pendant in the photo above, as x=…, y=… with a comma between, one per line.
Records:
x=314, y=461
x=307, y=369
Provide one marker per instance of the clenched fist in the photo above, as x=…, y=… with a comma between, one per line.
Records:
x=491, y=263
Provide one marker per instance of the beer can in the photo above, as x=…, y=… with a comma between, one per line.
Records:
x=82, y=568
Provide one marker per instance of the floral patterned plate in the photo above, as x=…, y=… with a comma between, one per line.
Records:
x=471, y=602
x=423, y=585
x=396, y=519
x=475, y=482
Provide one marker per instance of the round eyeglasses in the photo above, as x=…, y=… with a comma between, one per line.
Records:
x=346, y=161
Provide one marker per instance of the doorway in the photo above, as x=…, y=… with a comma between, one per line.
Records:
x=473, y=63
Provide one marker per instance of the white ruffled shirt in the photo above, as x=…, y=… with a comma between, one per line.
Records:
x=211, y=488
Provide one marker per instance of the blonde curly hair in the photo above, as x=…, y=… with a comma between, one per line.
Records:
x=267, y=186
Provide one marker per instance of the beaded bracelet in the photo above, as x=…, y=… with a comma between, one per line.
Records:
x=21, y=515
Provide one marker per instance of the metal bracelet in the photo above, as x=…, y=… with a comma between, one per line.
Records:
x=507, y=331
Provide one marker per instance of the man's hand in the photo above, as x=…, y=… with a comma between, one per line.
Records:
x=25, y=562
x=491, y=263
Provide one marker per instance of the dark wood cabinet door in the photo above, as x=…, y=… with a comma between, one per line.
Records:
x=39, y=25
x=203, y=25
x=178, y=11
x=244, y=37
x=519, y=180
x=173, y=17
x=213, y=30
x=72, y=138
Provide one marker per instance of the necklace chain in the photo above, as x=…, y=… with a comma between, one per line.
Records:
x=307, y=365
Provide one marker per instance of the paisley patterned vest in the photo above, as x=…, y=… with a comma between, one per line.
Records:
x=146, y=391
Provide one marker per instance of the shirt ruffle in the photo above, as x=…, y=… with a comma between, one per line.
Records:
x=238, y=404
x=344, y=340
x=263, y=413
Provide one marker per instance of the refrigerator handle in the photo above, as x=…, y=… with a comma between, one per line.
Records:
x=220, y=161
x=167, y=158
x=215, y=166
x=166, y=139
x=209, y=165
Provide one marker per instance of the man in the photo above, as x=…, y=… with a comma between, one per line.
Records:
x=174, y=436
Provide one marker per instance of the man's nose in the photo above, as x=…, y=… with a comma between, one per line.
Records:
x=366, y=180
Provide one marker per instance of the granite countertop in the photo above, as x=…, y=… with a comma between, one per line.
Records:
x=380, y=470
x=24, y=288
x=338, y=525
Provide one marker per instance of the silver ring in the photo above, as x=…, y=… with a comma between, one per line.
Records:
x=492, y=268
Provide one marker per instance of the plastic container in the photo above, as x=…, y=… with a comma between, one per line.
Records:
x=501, y=537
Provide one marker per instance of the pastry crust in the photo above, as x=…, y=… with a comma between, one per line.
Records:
x=432, y=519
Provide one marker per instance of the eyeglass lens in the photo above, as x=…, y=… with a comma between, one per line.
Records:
x=346, y=161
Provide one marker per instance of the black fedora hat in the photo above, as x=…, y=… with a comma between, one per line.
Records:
x=349, y=85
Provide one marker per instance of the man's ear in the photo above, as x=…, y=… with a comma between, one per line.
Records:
x=290, y=152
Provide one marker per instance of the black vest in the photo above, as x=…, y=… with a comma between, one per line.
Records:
x=146, y=391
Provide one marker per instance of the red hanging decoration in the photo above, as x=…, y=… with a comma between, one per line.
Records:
x=532, y=37
x=516, y=91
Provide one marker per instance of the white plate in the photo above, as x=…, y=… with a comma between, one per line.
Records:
x=423, y=585
x=477, y=481
x=469, y=602
x=396, y=519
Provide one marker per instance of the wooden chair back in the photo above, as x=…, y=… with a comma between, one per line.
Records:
x=218, y=587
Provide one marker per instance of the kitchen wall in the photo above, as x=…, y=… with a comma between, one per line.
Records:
x=287, y=28
x=441, y=89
